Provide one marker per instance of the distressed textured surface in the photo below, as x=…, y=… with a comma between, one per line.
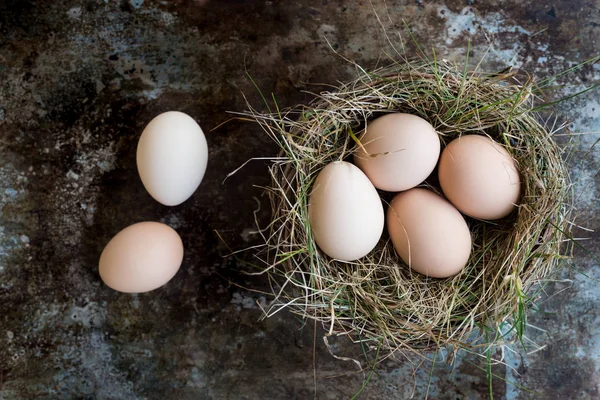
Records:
x=78, y=82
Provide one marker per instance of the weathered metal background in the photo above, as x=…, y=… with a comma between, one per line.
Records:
x=78, y=82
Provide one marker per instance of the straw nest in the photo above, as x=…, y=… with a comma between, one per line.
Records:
x=377, y=300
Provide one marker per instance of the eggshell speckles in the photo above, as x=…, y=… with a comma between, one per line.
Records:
x=140, y=258
x=399, y=151
x=172, y=154
x=345, y=212
x=428, y=233
x=479, y=177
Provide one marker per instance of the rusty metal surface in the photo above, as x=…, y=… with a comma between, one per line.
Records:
x=78, y=82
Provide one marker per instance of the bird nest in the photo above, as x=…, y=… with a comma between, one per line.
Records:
x=378, y=300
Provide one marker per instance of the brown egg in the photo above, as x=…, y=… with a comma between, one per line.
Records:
x=398, y=151
x=140, y=258
x=479, y=177
x=428, y=233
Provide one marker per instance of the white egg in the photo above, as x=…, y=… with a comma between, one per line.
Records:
x=172, y=154
x=345, y=212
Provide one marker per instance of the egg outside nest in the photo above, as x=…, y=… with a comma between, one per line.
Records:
x=378, y=300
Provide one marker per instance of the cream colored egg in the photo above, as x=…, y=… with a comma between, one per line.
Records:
x=345, y=212
x=172, y=154
x=399, y=151
x=479, y=177
x=140, y=258
x=428, y=233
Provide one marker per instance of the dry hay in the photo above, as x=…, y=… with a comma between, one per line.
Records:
x=377, y=300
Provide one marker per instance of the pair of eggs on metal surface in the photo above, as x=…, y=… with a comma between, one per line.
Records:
x=172, y=155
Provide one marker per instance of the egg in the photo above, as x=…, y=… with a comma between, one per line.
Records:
x=141, y=257
x=172, y=154
x=398, y=151
x=345, y=212
x=479, y=177
x=428, y=233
